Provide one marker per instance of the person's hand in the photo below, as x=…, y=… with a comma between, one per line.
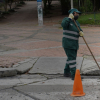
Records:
x=71, y=16
x=81, y=33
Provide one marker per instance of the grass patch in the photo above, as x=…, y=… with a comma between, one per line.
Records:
x=89, y=19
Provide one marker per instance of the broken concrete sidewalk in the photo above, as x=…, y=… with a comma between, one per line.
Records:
x=89, y=67
x=20, y=68
x=50, y=65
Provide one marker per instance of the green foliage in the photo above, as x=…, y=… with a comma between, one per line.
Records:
x=87, y=7
x=65, y=6
x=83, y=5
x=82, y=9
x=92, y=19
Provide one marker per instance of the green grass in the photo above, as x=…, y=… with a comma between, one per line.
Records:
x=89, y=19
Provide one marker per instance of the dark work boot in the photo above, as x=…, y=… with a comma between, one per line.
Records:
x=67, y=75
x=72, y=77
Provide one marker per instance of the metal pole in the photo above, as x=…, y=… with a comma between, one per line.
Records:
x=71, y=4
x=40, y=12
x=87, y=45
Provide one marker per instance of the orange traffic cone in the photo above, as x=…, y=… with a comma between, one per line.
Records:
x=77, y=87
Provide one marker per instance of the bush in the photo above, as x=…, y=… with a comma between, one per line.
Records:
x=87, y=7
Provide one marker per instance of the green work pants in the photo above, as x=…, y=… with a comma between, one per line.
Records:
x=71, y=61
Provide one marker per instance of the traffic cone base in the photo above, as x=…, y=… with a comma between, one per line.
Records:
x=77, y=94
x=77, y=87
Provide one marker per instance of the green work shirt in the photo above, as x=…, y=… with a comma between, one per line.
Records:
x=70, y=34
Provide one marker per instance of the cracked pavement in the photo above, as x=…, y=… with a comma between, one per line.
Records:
x=21, y=38
x=45, y=87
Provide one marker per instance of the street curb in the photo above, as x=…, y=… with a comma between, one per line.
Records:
x=24, y=67
x=20, y=68
x=89, y=67
x=6, y=72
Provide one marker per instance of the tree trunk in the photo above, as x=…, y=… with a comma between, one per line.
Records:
x=5, y=6
x=45, y=7
x=49, y=3
x=65, y=6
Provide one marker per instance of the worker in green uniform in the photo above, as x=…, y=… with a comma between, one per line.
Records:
x=70, y=41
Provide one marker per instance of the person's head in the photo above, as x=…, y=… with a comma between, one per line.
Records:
x=76, y=15
x=75, y=12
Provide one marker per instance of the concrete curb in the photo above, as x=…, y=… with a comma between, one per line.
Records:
x=25, y=65
x=4, y=72
x=20, y=68
x=89, y=67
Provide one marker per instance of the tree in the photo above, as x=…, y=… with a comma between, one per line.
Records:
x=45, y=5
x=96, y=4
x=10, y=3
x=5, y=5
x=65, y=6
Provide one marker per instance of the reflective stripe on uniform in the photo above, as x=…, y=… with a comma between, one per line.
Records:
x=72, y=66
x=72, y=61
x=71, y=32
x=70, y=37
